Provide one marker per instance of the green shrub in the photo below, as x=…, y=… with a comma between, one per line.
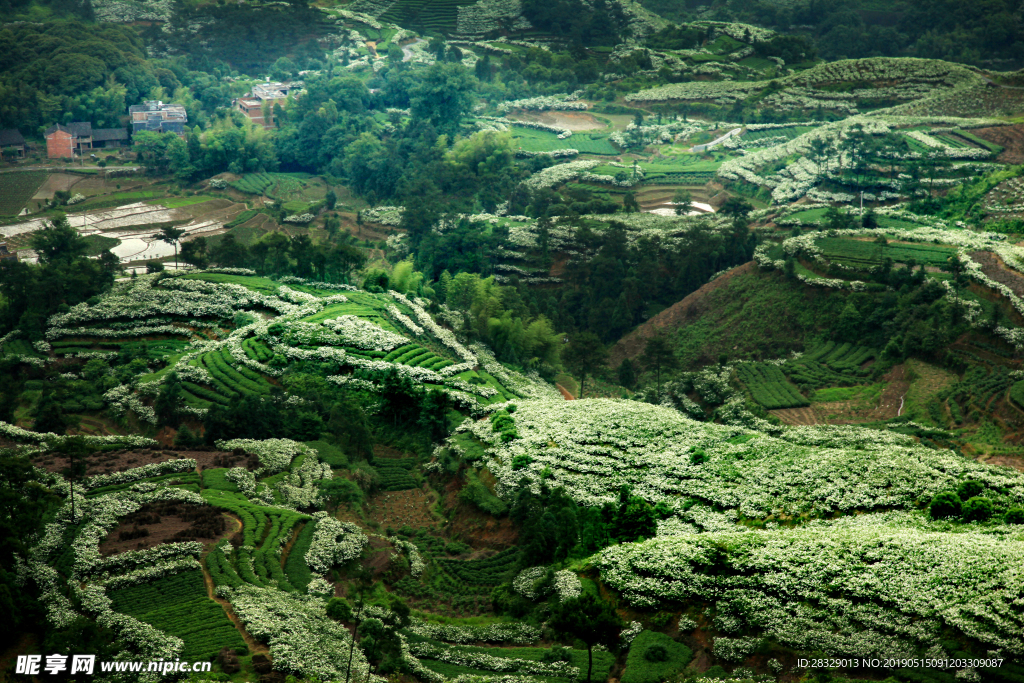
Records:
x=969, y=489
x=977, y=509
x=520, y=462
x=654, y=657
x=698, y=456
x=656, y=653
x=478, y=494
x=945, y=504
x=329, y=453
x=1015, y=516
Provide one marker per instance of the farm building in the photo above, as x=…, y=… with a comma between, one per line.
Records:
x=12, y=143
x=7, y=256
x=156, y=117
x=265, y=94
x=64, y=142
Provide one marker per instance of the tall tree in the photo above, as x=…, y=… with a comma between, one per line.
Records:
x=585, y=355
x=443, y=94
x=588, y=619
x=659, y=356
x=58, y=242
x=172, y=235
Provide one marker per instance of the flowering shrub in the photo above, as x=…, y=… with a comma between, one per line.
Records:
x=555, y=175
x=416, y=563
x=567, y=585
x=303, y=640
x=878, y=588
x=478, y=660
x=510, y=633
x=545, y=102
x=333, y=543
x=523, y=583
x=144, y=472
x=593, y=447
x=631, y=632
x=385, y=215
x=275, y=454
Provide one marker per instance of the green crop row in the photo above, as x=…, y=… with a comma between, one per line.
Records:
x=295, y=567
x=247, y=567
x=253, y=183
x=863, y=253
x=400, y=351
x=215, y=479
x=246, y=215
x=489, y=571
x=769, y=386
x=221, y=570
x=220, y=364
x=395, y=474
x=205, y=394
x=178, y=477
x=254, y=517
x=257, y=350
x=978, y=387
x=179, y=605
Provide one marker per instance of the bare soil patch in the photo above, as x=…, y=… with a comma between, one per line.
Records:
x=56, y=181
x=994, y=267
x=165, y=522
x=1009, y=137
x=796, y=416
x=573, y=120
x=676, y=315
x=118, y=461
x=1014, y=461
x=395, y=509
x=382, y=451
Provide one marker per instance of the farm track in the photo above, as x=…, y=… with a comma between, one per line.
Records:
x=994, y=268
x=254, y=645
x=1011, y=138
x=673, y=317
x=291, y=542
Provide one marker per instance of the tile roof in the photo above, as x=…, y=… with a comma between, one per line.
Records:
x=11, y=136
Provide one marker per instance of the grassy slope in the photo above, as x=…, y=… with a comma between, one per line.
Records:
x=749, y=315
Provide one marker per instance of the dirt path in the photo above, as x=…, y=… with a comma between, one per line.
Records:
x=565, y=393
x=994, y=267
x=254, y=645
x=67, y=168
x=291, y=542
x=26, y=643
x=677, y=315
x=407, y=49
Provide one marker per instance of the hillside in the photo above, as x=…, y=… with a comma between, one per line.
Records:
x=467, y=341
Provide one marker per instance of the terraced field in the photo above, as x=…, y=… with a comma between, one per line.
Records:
x=229, y=379
x=425, y=15
x=179, y=606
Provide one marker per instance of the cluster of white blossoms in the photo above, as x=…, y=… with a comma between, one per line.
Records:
x=333, y=543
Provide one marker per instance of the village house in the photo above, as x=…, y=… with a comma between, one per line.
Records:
x=12, y=143
x=156, y=117
x=7, y=256
x=65, y=142
x=258, y=104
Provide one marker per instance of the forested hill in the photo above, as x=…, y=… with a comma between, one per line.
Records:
x=512, y=341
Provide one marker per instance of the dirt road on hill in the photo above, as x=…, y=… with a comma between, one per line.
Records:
x=689, y=309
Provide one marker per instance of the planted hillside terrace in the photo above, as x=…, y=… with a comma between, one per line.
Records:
x=501, y=341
